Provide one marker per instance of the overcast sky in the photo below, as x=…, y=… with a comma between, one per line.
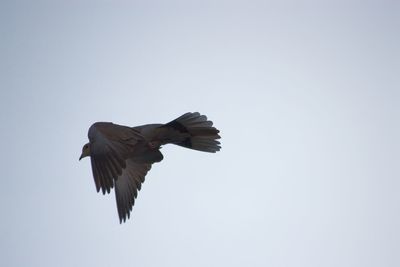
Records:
x=306, y=95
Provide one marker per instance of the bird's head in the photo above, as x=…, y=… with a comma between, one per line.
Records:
x=85, y=151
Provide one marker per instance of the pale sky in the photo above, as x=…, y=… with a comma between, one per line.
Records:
x=306, y=95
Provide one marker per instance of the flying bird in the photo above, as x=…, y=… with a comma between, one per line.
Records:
x=121, y=156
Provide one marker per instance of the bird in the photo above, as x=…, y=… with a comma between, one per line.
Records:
x=121, y=156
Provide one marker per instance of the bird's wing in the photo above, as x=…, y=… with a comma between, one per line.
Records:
x=127, y=186
x=109, y=146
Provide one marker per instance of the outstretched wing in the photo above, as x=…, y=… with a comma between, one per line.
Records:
x=110, y=145
x=127, y=186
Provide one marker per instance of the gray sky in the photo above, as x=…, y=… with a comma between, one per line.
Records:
x=305, y=93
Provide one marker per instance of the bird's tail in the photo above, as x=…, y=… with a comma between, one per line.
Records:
x=194, y=131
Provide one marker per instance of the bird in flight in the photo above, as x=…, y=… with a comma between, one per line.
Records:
x=121, y=156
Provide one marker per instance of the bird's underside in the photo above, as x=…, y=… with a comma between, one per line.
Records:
x=121, y=156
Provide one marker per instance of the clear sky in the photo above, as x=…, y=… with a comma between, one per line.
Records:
x=306, y=95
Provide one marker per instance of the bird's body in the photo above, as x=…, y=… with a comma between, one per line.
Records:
x=121, y=156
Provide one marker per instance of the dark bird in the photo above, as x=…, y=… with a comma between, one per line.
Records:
x=121, y=156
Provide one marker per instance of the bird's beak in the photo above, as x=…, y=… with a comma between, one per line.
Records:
x=80, y=157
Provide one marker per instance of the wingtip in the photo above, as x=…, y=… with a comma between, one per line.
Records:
x=122, y=220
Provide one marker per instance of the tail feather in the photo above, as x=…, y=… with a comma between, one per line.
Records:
x=194, y=131
x=205, y=144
